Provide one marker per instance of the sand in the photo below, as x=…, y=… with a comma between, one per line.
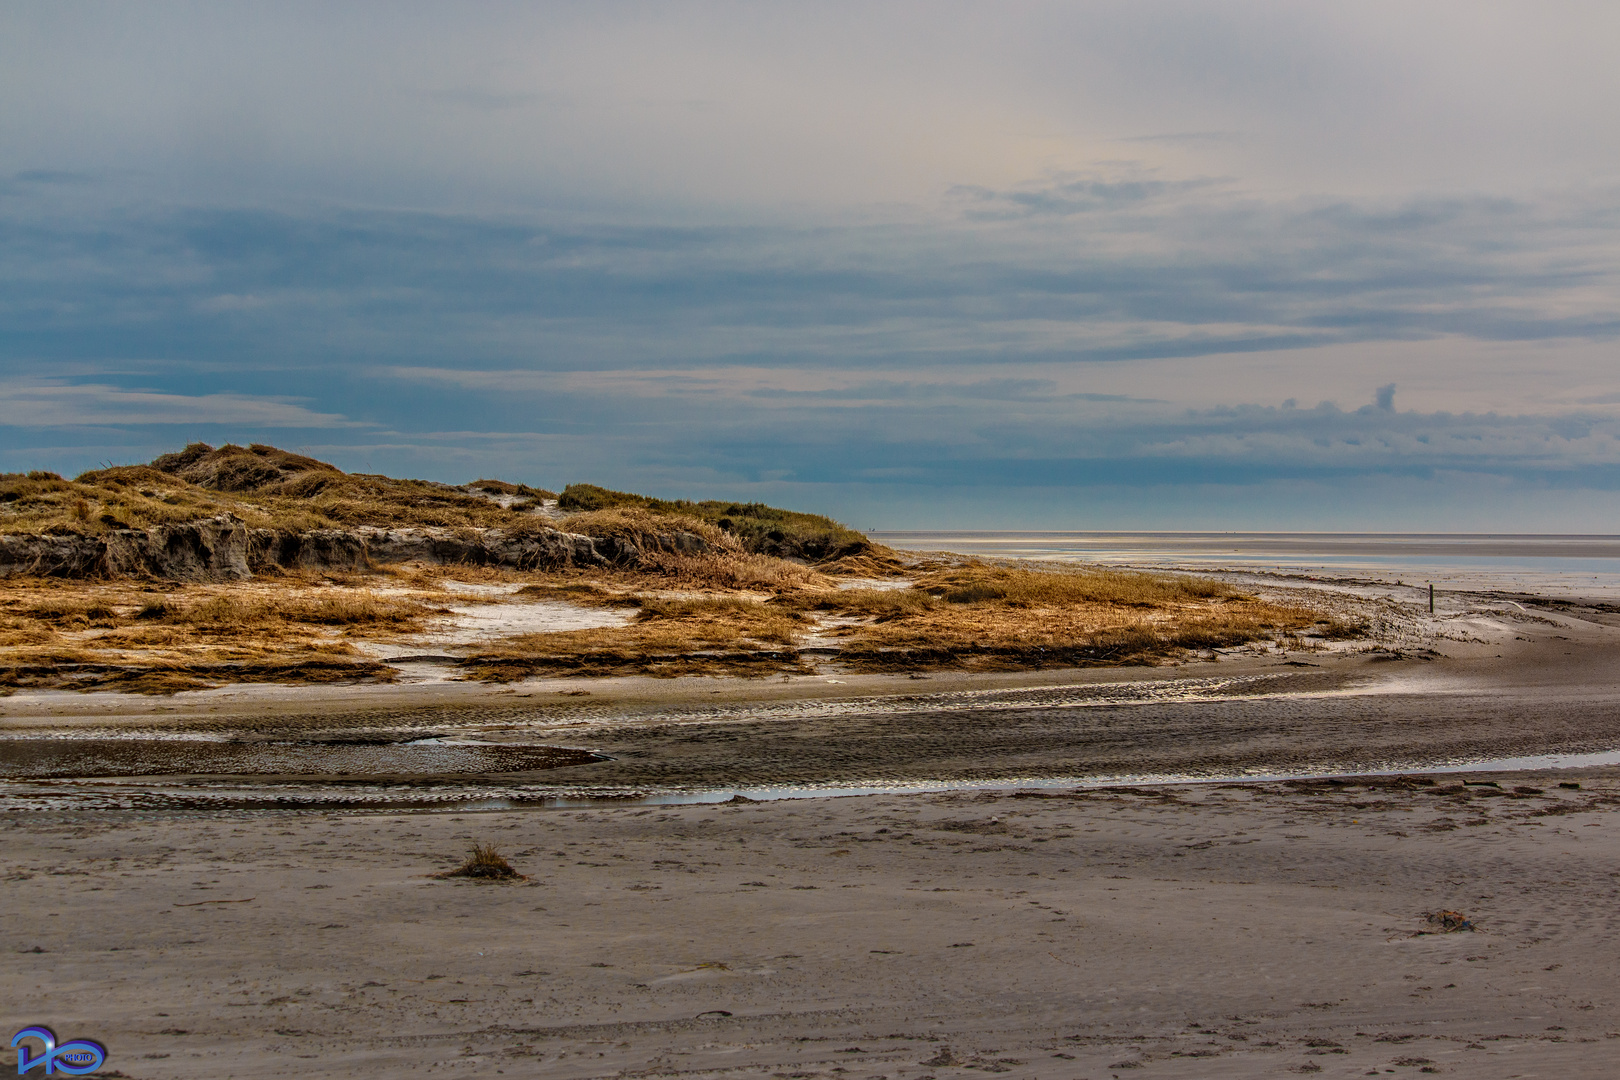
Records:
x=1194, y=931
x=1177, y=930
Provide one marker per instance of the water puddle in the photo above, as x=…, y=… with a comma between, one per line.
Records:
x=1292, y=684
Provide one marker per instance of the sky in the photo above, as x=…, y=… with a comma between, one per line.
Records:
x=1139, y=265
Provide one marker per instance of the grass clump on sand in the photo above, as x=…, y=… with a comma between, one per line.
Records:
x=725, y=635
x=484, y=864
x=263, y=486
x=136, y=497
x=881, y=605
x=975, y=617
x=759, y=528
x=226, y=612
x=296, y=492
x=725, y=571
x=88, y=670
x=725, y=619
x=997, y=617
x=1018, y=587
x=501, y=487
x=584, y=593
x=82, y=635
x=645, y=528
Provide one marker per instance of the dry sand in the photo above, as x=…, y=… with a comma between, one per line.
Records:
x=1196, y=930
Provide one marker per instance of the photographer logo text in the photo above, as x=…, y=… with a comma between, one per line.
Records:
x=74, y=1058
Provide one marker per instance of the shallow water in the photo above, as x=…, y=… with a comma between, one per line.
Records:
x=1585, y=564
x=430, y=765
x=1532, y=763
x=451, y=758
x=467, y=797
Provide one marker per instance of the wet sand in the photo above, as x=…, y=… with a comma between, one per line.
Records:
x=1510, y=683
x=1194, y=930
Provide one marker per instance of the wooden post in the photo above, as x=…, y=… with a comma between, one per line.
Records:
x=1431, y=598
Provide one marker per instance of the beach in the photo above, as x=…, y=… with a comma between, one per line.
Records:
x=1238, y=867
x=1178, y=931
x=1058, y=541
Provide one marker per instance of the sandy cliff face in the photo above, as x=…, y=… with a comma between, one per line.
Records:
x=215, y=549
x=223, y=548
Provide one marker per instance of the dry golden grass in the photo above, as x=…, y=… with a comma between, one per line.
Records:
x=584, y=593
x=756, y=527
x=750, y=573
x=880, y=604
x=24, y=635
x=725, y=566
x=616, y=662
x=272, y=489
x=643, y=525
x=501, y=487
x=135, y=497
x=265, y=487
x=732, y=614
x=102, y=636
x=86, y=670
x=714, y=635
x=1012, y=617
x=664, y=573
x=974, y=616
x=1021, y=587
x=723, y=620
x=876, y=562
x=227, y=612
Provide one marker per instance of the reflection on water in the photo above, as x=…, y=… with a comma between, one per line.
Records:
x=455, y=759
x=22, y=759
x=469, y=795
x=414, y=752
x=771, y=794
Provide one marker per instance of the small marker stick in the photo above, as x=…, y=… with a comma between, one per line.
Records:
x=1431, y=598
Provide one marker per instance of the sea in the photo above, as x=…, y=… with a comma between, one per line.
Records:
x=1585, y=566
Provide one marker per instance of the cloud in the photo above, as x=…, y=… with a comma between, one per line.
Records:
x=484, y=100
x=1040, y=245
x=31, y=180
x=1067, y=349
x=45, y=404
x=1194, y=271
x=1027, y=433
x=1087, y=195
x=1184, y=137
